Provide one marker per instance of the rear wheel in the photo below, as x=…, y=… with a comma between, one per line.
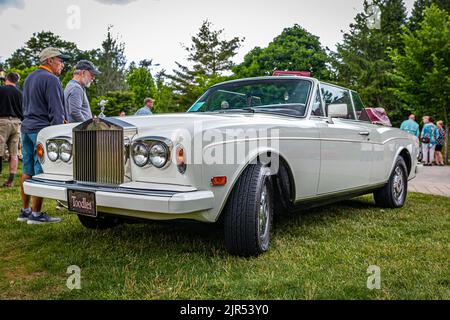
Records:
x=99, y=223
x=393, y=194
x=249, y=213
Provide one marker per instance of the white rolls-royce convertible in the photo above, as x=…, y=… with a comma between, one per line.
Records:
x=245, y=151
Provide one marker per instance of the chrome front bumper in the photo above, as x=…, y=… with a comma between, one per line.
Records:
x=111, y=198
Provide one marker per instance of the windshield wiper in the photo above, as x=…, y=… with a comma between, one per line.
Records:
x=247, y=109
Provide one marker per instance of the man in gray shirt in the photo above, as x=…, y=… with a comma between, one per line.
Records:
x=75, y=98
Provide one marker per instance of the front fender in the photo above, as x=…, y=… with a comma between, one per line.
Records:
x=233, y=171
x=404, y=151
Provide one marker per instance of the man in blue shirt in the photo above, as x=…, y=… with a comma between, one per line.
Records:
x=411, y=126
x=43, y=106
x=147, y=108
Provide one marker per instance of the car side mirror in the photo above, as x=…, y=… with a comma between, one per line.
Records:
x=338, y=110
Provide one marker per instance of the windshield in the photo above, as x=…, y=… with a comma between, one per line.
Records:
x=287, y=96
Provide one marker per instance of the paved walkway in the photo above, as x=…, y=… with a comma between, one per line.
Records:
x=432, y=180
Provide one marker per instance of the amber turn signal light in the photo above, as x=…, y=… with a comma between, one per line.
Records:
x=219, y=181
x=40, y=151
x=181, y=160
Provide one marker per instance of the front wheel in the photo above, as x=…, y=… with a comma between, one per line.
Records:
x=393, y=194
x=249, y=213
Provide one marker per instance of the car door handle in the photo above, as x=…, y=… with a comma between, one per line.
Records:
x=364, y=133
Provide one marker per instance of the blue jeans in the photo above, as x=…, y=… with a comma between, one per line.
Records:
x=31, y=164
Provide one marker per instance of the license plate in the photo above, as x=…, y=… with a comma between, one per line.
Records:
x=82, y=202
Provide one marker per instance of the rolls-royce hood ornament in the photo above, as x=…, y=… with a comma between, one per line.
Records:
x=102, y=105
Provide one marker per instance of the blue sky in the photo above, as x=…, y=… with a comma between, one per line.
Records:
x=155, y=29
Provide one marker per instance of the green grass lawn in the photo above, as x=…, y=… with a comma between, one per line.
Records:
x=323, y=253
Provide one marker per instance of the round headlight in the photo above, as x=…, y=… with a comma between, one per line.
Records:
x=140, y=154
x=158, y=155
x=52, y=151
x=65, y=151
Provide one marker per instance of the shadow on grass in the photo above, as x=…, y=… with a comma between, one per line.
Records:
x=203, y=238
x=345, y=209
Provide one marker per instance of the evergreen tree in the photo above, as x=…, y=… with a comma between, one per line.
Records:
x=362, y=60
x=211, y=57
x=111, y=61
x=419, y=7
x=422, y=68
x=183, y=84
x=210, y=54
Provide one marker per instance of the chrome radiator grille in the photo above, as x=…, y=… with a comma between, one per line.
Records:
x=99, y=156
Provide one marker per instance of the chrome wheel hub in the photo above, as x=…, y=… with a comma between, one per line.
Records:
x=399, y=183
x=264, y=215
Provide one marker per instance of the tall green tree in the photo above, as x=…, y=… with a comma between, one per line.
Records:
x=26, y=59
x=210, y=53
x=164, y=97
x=210, y=56
x=28, y=55
x=140, y=81
x=111, y=61
x=362, y=59
x=422, y=68
x=183, y=84
x=417, y=12
x=293, y=49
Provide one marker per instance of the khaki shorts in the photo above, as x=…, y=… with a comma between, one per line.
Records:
x=9, y=136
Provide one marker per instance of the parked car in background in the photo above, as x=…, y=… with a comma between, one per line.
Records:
x=247, y=150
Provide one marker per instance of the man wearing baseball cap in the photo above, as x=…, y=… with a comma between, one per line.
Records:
x=147, y=108
x=43, y=106
x=75, y=98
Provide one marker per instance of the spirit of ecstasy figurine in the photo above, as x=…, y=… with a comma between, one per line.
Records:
x=102, y=105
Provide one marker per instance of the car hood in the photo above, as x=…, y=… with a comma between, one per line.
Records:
x=207, y=120
x=168, y=125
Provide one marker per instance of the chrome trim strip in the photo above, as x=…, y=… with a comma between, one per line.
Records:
x=85, y=187
x=304, y=139
x=342, y=193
